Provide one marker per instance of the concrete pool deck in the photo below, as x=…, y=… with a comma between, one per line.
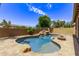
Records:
x=9, y=47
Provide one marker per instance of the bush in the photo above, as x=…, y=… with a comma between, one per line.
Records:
x=30, y=30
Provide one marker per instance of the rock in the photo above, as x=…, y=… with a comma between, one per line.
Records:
x=25, y=48
x=29, y=49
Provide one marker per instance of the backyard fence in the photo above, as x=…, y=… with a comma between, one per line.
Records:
x=8, y=32
x=5, y=32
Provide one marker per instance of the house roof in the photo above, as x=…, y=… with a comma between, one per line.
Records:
x=75, y=11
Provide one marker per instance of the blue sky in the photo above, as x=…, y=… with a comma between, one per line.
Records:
x=28, y=13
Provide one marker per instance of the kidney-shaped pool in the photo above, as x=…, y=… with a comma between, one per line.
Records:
x=41, y=43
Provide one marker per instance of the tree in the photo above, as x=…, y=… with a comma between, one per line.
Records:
x=53, y=24
x=6, y=24
x=68, y=25
x=59, y=23
x=20, y=27
x=44, y=21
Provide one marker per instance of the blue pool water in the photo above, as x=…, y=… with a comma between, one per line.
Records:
x=41, y=44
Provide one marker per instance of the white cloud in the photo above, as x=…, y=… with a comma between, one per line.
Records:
x=36, y=10
x=49, y=5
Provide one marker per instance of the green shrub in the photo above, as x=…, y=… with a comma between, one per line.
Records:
x=30, y=30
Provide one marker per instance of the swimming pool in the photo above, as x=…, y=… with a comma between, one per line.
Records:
x=40, y=44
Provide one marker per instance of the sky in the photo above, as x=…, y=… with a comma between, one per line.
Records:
x=27, y=14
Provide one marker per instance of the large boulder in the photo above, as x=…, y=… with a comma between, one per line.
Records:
x=25, y=48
